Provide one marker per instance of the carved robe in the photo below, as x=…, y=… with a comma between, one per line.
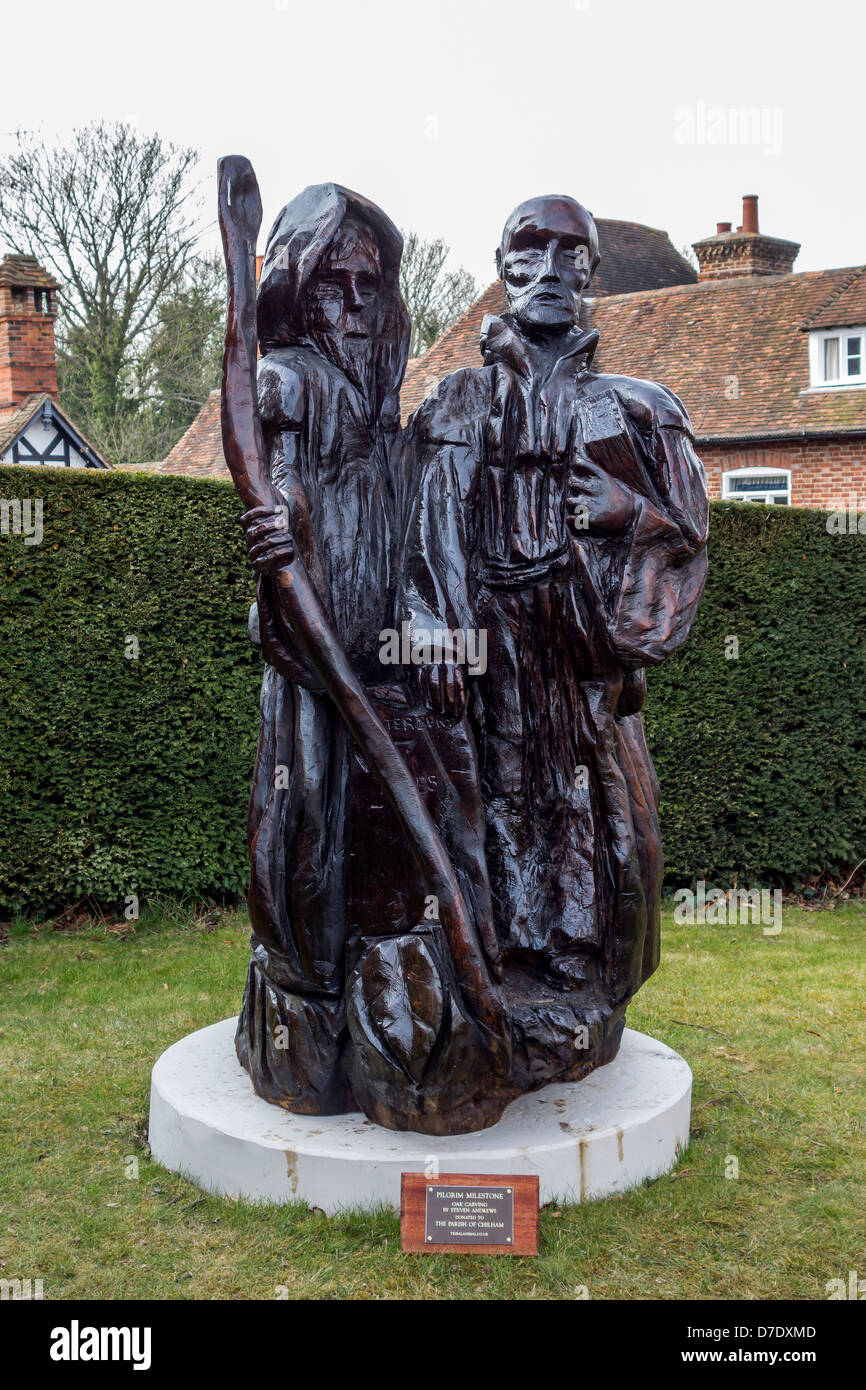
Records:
x=330, y=443
x=569, y=792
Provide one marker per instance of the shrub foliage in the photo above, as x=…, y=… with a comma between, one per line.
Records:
x=761, y=756
x=124, y=774
x=120, y=775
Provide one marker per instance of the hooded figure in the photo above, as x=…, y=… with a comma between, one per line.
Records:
x=334, y=334
x=564, y=513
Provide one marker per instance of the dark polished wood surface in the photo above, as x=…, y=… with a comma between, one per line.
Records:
x=455, y=859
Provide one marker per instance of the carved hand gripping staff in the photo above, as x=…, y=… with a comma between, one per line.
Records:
x=240, y=215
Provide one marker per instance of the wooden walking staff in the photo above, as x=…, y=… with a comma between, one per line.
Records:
x=240, y=216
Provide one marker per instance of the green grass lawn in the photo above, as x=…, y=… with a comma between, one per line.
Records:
x=772, y=1028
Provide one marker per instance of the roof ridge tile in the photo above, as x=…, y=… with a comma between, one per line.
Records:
x=857, y=273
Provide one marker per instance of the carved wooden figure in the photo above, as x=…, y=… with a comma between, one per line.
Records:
x=455, y=857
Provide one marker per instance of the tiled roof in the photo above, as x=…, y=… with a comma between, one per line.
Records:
x=633, y=257
x=458, y=347
x=199, y=452
x=17, y=422
x=697, y=339
x=25, y=271
x=846, y=305
x=14, y=423
x=736, y=351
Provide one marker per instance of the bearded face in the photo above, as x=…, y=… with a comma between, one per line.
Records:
x=344, y=303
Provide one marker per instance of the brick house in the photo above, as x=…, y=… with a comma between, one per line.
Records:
x=770, y=364
x=633, y=258
x=33, y=428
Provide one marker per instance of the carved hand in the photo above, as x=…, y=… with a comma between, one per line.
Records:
x=443, y=688
x=596, y=504
x=269, y=541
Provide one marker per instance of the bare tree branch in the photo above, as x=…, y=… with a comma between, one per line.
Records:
x=111, y=215
x=434, y=295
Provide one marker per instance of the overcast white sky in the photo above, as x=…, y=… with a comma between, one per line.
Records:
x=449, y=112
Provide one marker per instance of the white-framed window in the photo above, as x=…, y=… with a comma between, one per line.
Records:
x=772, y=486
x=837, y=357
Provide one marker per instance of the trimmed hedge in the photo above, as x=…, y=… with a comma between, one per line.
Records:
x=762, y=759
x=121, y=776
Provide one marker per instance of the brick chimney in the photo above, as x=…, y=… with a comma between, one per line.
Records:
x=744, y=252
x=28, y=308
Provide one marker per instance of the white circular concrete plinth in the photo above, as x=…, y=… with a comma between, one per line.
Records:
x=622, y=1124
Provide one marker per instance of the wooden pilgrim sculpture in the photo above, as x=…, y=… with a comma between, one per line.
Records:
x=454, y=848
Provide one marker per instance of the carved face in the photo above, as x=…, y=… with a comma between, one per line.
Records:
x=548, y=253
x=345, y=292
